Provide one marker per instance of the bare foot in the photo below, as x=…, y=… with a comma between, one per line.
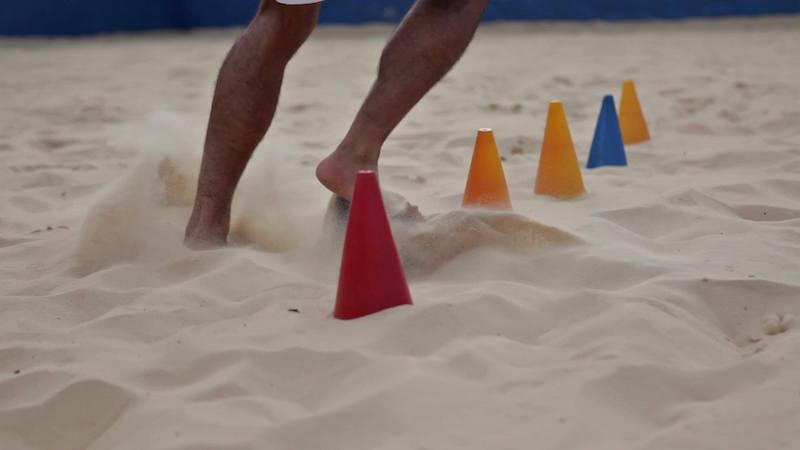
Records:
x=206, y=230
x=204, y=239
x=338, y=173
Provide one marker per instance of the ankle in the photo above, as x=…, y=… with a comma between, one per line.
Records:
x=210, y=212
x=357, y=155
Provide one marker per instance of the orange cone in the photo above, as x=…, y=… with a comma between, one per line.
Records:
x=559, y=174
x=631, y=119
x=486, y=183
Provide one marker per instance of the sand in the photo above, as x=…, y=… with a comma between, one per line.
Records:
x=662, y=313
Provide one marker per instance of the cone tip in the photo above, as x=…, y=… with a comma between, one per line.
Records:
x=555, y=106
x=366, y=177
x=484, y=130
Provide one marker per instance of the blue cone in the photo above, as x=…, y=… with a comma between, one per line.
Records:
x=607, y=148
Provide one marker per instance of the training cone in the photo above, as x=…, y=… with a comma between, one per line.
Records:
x=371, y=277
x=607, y=148
x=486, y=183
x=559, y=174
x=631, y=119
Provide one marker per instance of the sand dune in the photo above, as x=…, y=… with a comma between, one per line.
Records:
x=660, y=311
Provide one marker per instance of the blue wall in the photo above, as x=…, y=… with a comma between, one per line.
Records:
x=72, y=17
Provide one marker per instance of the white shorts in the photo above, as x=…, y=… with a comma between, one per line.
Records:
x=298, y=2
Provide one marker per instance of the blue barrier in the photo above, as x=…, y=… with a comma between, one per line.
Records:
x=75, y=17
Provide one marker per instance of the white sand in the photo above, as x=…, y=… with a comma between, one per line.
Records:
x=669, y=327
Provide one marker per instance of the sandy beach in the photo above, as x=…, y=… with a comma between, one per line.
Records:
x=660, y=311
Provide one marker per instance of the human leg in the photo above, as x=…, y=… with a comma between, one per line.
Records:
x=245, y=100
x=426, y=44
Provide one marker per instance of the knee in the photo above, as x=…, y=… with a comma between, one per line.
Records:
x=292, y=24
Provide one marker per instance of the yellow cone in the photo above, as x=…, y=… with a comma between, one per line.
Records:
x=486, y=183
x=559, y=174
x=631, y=119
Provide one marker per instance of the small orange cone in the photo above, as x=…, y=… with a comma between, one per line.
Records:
x=559, y=174
x=631, y=119
x=486, y=183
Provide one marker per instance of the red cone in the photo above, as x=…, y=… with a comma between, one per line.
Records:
x=371, y=278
